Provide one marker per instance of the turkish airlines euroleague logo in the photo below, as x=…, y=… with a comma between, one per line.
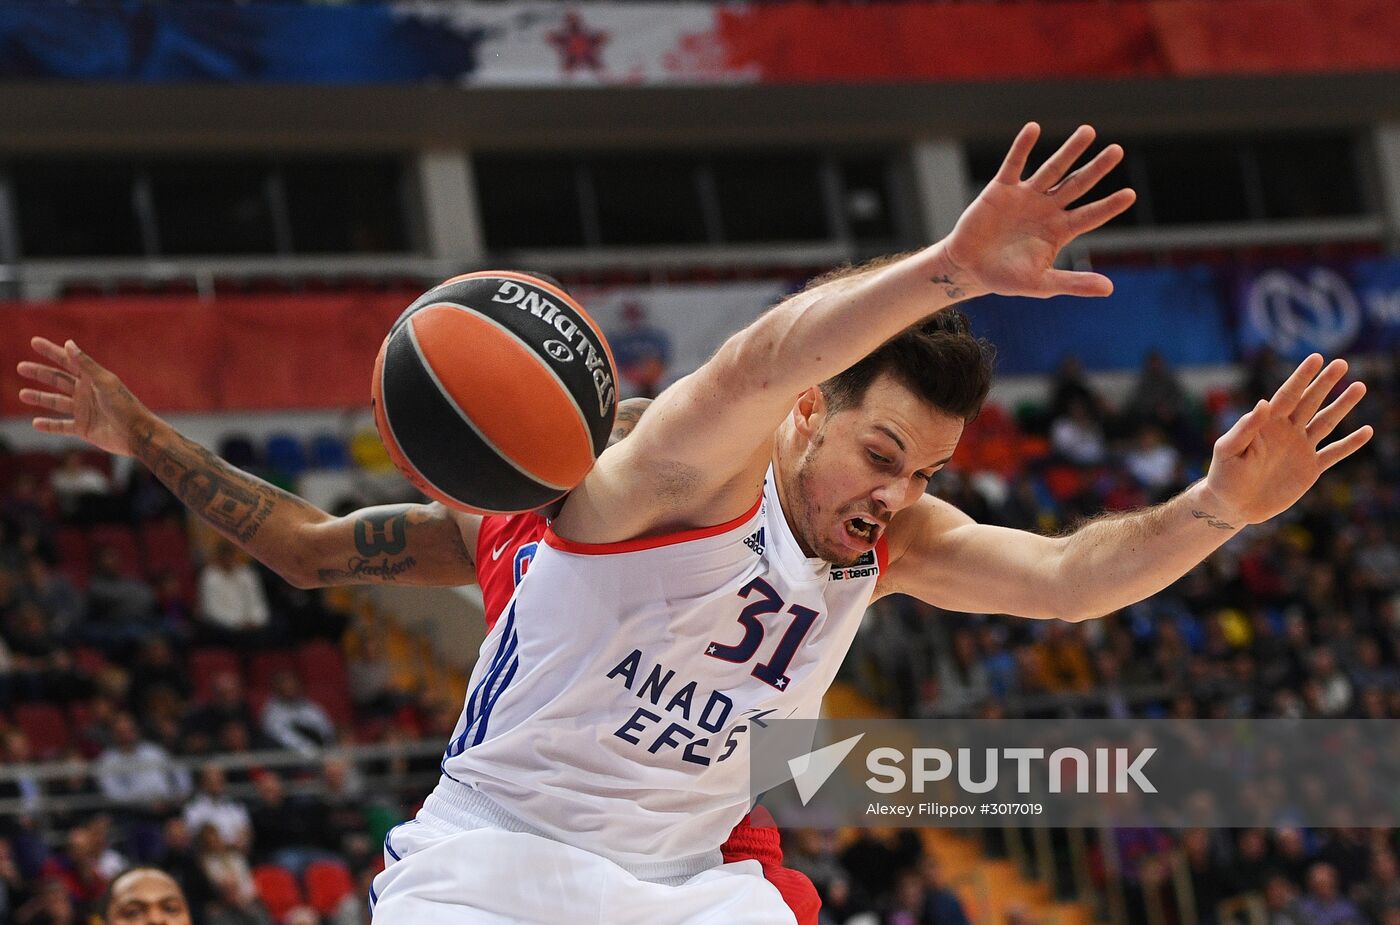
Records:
x=574, y=339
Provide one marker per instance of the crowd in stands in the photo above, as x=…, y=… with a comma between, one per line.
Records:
x=135, y=659
x=128, y=653
x=1299, y=617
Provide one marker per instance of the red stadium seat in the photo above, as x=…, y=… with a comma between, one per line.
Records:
x=166, y=547
x=321, y=662
x=207, y=664
x=327, y=883
x=334, y=699
x=88, y=660
x=46, y=727
x=74, y=554
x=123, y=540
x=266, y=665
x=278, y=889
x=38, y=463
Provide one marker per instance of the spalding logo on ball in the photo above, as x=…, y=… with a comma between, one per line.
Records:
x=494, y=393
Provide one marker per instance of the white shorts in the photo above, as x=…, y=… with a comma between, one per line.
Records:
x=453, y=867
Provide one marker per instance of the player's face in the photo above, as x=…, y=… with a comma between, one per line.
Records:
x=864, y=464
x=148, y=897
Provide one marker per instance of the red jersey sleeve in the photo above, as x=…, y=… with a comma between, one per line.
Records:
x=504, y=547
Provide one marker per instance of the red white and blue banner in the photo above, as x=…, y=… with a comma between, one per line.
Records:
x=553, y=44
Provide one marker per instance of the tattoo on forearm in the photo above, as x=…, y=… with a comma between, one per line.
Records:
x=381, y=533
x=367, y=570
x=1212, y=520
x=233, y=502
x=951, y=289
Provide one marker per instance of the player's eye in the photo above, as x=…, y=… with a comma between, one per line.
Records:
x=877, y=458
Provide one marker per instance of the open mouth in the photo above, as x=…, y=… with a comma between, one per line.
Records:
x=862, y=529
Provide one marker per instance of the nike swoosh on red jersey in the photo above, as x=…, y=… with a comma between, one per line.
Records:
x=496, y=553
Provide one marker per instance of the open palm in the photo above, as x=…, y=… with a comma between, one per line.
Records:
x=1008, y=238
x=1273, y=454
x=83, y=398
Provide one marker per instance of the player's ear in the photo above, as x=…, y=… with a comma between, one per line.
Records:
x=807, y=414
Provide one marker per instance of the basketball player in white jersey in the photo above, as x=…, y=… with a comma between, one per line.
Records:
x=712, y=570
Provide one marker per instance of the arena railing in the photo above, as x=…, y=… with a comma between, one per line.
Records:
x=364, y=758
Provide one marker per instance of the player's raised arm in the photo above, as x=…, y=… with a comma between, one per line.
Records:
x=1260, y=468
x=403, y=544
x=702, y=450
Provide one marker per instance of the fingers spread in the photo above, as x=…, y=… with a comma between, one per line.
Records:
x=1059, y=163
x=1015, y=164
x=1088, y=217
x=1334, y=453
x=52, y=352
x=1318, y=390
x=47, y=375
x=1286, y=399
x=60, y=403
x=1326, y=420
x=1084, y=179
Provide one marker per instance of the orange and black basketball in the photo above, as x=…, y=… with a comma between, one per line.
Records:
x=495, y=392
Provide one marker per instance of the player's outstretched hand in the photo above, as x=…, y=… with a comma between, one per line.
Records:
x=83, y=399
x=1271, y=457
x=1007, y=240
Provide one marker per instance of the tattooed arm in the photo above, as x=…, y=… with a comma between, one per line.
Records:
x=405, y=544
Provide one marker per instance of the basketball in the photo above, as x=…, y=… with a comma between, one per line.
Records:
x=494, y=393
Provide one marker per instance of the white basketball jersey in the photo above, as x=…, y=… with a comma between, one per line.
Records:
x=612, y=703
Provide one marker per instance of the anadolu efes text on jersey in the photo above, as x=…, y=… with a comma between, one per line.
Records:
x=612, y=704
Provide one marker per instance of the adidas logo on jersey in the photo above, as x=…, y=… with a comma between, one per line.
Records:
x=755, y=542
x=864, y=567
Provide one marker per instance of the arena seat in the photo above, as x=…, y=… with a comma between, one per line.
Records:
x=166, y=547
x=334, y=699
x=123, y=540
x=207, y=664
x=74, y=554
x=46, y=727
x=38, y=463
x=278, y=889
x=328, y=452
x=321, y=662
x=285, y=455
x=265, y=665
x=327, y=883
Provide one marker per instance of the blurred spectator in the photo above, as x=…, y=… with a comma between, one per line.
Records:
x=643, y=352
x=117, y=599
x=206, y=724
x=81, y=491
x=1071, y=386
x=294, y=721
x=284, y=833
x=1154, y=462
x=1157, y=395
x=226, y=868
x=232, y=606
x=340, y=806
x=145, y=895
x=37, y=666
x=1381, y=890
x=178, y=858
x=12, y=889
x=55, y=595
x=941, y=905
x=877, y=856
x=963, y=681
x=1323, y=905
x=1077, y=436
x=157, y=668
x=909, y=906
x=212, y=806
x=51, y=905
x=370, y=678
x=133, y=772
x=77, y=868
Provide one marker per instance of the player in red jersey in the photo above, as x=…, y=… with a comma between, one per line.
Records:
x=420, y=544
